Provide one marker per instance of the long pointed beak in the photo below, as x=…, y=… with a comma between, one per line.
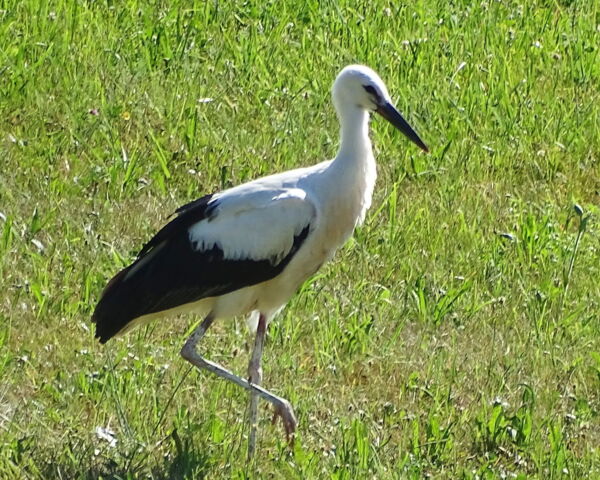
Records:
x=389, y=112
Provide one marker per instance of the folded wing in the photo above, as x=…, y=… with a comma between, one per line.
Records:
x=215, y=245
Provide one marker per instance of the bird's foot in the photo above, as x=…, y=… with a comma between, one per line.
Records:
x=285, y=411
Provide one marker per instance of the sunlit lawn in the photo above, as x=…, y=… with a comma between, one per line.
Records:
x=455, y=336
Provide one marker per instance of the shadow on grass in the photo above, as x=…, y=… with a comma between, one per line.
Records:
x=186, y=462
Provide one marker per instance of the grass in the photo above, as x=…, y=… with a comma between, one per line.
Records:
x=455, y=336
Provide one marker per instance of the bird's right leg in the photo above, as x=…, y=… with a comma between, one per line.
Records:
x=255, y=378
x=281, y=405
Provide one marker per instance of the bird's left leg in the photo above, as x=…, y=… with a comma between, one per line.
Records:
x=282, y=406
x=255, y=378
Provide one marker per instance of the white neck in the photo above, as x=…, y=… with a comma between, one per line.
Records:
x=353, y=172
x=354, y=132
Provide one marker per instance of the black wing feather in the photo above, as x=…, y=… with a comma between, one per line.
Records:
x=187, y=215
x=169, y=272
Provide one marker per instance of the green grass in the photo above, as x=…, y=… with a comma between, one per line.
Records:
x=455, y=336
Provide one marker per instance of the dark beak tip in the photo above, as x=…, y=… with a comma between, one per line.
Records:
x=389, y=112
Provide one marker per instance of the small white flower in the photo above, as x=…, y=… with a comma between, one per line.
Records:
x=107, y=435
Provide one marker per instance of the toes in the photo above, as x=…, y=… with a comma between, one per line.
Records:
x=288, y=419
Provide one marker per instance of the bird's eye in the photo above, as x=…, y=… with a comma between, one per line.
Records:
x=370, y=89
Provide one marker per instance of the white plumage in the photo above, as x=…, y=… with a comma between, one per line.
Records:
x=248, y=249
x=243, y=216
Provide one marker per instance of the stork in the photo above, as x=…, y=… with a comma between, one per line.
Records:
x=248, y=249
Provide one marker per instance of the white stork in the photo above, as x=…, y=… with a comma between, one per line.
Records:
x=248, y=249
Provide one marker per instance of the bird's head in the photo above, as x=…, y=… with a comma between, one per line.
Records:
x=361, y=87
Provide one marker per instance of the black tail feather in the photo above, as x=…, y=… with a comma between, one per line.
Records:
x=146, y=289
x=112, y=313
